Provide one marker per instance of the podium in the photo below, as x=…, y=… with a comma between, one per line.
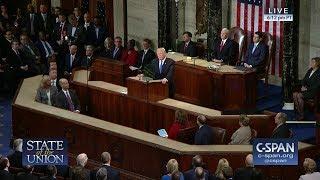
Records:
x=147, y=89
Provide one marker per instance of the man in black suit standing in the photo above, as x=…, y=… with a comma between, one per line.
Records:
x=75, y=31
x=97, y=35
x=146, y=55
x=224, y=50
x=281, y=130
x=113, y=174
x=188, y=47
x=204, y=136
x=31, y=22
x=67, y=99
x=72, y=60
x=45, y=20
x=257, y=54
x=163, y=69
x=248, y=172
x=79, y=171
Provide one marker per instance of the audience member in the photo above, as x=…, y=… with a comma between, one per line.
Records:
x=4, y=169
x=179, y=123
x=130, y=56
x=196, y=162
x=243, y=134
x=118, y=50
x=16, y=157
x=67, y=99
x=27, y=174
x=221, y=165
x=248, y=172
x=46, y=93
x=79, y=172
x=281, y=130
x=145, y=56
x=172, y=167
x=113, y=174
x=204, y=135
x=310, y=167
x=102, y=174
x=51, y=173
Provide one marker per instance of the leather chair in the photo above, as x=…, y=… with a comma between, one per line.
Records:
x=237, y=34
x=187, y=135
x=313, y=105
x=268, y=40
x=218, y=135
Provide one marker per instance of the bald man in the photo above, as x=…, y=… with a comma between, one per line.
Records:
x=224, y=49
x=248, y=172
x=67, y=99
x=163, y=69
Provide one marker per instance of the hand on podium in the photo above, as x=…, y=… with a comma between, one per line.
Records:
x=140, y=76
x=164, y=80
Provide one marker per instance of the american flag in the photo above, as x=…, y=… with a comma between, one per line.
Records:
x=248, y=14
x=101, y=9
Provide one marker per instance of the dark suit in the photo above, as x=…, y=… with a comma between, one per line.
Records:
x=93, y=39
x=5, y=46
x=118, y=54
x=5, y=175
x=312, y=84
x=258, y=57
x=86, y=62
x=247, y=173
x=26, y=176
x=113, y=174
x=167, y=72
x=47, y=178
x=191, y=175
x=76, y=62
x=281, y=132
x=27, y=22
x=78, y=172
x=190, y=50
x=62, y=102
x=79, y=36
x=204, y=136
x=15, y=159
x=57, y=30
x=227, y=53
x=45, y=25
x=147, y=58
x=42, y=50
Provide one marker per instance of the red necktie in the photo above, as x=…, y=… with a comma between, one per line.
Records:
x=221, y=45
x=70, y=103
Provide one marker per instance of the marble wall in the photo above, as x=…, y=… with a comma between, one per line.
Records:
x=143, y=20
x=118, y=18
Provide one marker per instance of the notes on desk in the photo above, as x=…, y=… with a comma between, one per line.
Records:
x=162, y=133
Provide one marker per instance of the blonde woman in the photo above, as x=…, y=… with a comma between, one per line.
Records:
x=310, y=167
x=221, y=165
x=172, y=168
x=243, y=134
x=46, y=93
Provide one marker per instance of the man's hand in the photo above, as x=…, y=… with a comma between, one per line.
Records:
x=247, y=65
x=217, y=61
x=164, y=80
x=77, y=111
x=303, y=88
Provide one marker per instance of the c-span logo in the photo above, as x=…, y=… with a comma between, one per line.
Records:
x=275, y=152
x=44, y=152
x=278, y=14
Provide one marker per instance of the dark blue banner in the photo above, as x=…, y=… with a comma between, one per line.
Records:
x=275, y=152
x=45, y=152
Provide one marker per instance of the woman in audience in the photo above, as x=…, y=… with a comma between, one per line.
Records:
x=108, y=44
x=46, y=93
x=243, y=134
x=179, y=123
x=221, y=165
x=172, y=168
x=131, y=55
x=310, y=167
x=310, y=87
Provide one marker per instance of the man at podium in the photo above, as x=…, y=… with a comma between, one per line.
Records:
x=163, y=68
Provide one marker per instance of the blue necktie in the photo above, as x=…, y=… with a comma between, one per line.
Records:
x=254, y=48
x=160, y=67
x=47, y=47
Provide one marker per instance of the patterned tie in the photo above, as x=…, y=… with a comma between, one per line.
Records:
x=221, y=45
x=70, y=103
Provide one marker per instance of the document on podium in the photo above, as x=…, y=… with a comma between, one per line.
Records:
x=162, y=133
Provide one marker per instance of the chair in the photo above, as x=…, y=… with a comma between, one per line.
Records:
x=268, y=40
x=218, y=135
x=313, y=104
x=237, y=34
x=187, y=135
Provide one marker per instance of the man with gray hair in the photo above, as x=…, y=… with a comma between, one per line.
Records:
x=224, y=49
x=87, y=60
x=248, y=172
x=16, y=157
x=113, y=174
x=79, y=171
x=163, y=69
x=281, y=130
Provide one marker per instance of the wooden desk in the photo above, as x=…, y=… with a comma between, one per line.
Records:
x=228, y=89
x=131, y=150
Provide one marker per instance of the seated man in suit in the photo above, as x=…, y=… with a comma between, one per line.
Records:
x=146, y=55
x=87, y=60
x=79, y=171
x=224, y=50
x=204, y=135
x=163, y=69
x=257, y=54
x=188, y=47
x=118, y=49
x=281, y=130
x=196, y=162
x=248, y=172
x=4, y=169
x=45, y=48
x=113, y=174
x=67, y=99
x=72, y=60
